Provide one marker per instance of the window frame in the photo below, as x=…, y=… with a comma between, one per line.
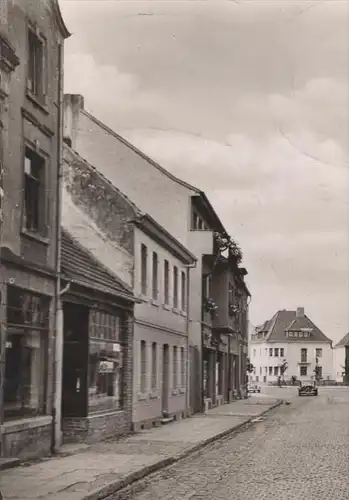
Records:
x=184, y=297
x=144, y=269
x=40, y=72
x=31, y=153
x=175, y=367
x=143, y=366
x=305, y=369
x=175, y=277
x=166, y=282
x=155, y=276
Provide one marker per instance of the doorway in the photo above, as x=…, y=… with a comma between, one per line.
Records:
x=165, y=377
x=75, y=361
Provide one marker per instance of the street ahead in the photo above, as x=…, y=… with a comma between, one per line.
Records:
x=298, y=452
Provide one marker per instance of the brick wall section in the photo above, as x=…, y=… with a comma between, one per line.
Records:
x=105, y=205
x=28, y=443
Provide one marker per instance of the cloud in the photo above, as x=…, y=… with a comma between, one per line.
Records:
x=104, y=87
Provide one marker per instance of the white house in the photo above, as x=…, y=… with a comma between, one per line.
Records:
x=291, y=337
x=339, y=352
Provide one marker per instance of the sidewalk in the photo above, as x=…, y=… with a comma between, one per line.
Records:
x=94, y=472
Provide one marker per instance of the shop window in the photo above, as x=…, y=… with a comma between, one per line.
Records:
x=303, y=371
x=105, y=361
x=26, y=351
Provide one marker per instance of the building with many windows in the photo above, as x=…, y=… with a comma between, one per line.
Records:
x=145, y=259
x=292, y=340
x=184, y=212
x=32, y=35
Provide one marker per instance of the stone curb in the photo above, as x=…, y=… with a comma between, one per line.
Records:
x=115, y=486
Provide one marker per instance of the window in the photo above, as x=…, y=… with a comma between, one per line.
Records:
x=154, y=366
x=266, y=370
x=143, y=371
x=207, y=285
x=318, y=353
x=175, y=287
x=183, y=384
x=34, y=206
x=144, y=270
x=303, y=371
x=276, y=352
x=166, y=282
x=183, y=291
x=175, y=364
x=270, y=370
x=304, y=355
x=319, y=371
x=276, y=371
x=26, y=351
x=155, y=276
x=260, y=370
x=105, y=361
x=35, y=80
x=282, y=352
x=270, y=351
x=254, y=352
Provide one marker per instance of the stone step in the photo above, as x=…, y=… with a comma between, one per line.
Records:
x=8, y=463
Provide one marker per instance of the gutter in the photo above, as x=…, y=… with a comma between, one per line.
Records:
x=58, y=320
x=188, y=267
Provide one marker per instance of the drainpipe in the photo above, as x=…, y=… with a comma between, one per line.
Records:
x=58, y=314
x=188, y=267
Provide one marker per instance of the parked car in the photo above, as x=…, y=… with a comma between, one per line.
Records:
x=253, y=388
x=308, y=389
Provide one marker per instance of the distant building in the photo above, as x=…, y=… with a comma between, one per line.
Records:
x=290, y=337
x=340, y=353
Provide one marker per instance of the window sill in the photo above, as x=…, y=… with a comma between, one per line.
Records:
x=167, y=307
x=35, y=100
x=155, y=302
x=143, y=396
x=183, y=313
x=143, y=298
x=35, y=236
x=175, y=310
x=154, y=395
x=25, y=423
x=182, y=390
x=175, y=392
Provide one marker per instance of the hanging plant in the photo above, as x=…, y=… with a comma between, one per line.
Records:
x=233, y=309
x=225, y=242
x=210, y=306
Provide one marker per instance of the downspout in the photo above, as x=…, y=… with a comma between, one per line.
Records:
x=58, y=313
x=187, y=402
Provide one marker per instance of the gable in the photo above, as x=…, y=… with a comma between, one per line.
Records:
x=288, y=321
x=344, y=342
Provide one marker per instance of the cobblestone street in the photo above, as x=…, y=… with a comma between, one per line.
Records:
x=300, y=451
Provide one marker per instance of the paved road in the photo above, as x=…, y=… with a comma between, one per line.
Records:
x=299, y=452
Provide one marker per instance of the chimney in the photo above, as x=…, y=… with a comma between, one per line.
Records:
x=300, y=312
x=73, y=104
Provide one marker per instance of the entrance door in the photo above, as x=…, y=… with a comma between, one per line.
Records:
x=165, y=377
x=75, y=359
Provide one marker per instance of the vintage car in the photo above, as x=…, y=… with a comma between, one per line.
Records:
x=308, y=389
x=253, y=388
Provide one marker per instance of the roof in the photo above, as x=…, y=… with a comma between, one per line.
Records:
x=344, y=342
x=274, y=329
x=80, y=266
x=62, y=26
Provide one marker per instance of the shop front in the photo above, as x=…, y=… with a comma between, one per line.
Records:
x=26, y=389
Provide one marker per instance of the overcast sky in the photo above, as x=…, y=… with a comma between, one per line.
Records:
x=247, y=100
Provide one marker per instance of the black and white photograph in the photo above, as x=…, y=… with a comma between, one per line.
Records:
x=174, y=249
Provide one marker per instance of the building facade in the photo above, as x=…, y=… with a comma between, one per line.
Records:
x=290, y=339
x=32, y=39
x=162, y=281
x=341, y=360
x=193, y=221
x=151, y=263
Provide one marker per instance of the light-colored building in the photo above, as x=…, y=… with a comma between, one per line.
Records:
x=183, y=210
x=32, y=35
x=291, y=337
x=340, y=353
